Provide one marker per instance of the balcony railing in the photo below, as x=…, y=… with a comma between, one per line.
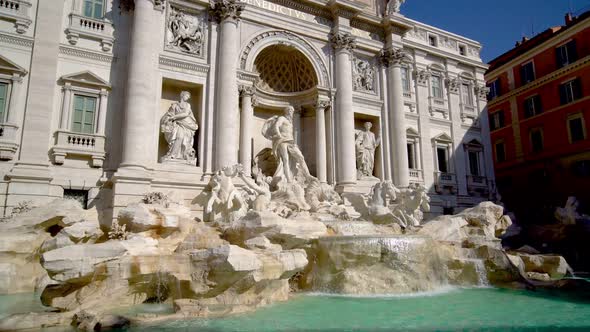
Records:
x=445, y=182
x=16, y=11
x=477, y=181
x=69, y=143
x=8, y=142
x=416, y=175
x=90, y=28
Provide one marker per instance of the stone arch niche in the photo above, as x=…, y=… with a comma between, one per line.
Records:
x=290, y=72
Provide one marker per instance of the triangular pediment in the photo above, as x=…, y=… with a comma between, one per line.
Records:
x=443, y=138
x=7, y=65
x=86, y=77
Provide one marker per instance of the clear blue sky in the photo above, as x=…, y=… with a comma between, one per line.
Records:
x=497, y=24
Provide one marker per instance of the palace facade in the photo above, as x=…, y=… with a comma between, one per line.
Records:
x=86, y=89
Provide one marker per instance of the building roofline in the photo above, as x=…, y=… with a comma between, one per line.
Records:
x=536, y=41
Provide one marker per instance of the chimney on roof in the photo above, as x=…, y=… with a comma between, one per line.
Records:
x=520, y=42
x=569, y=18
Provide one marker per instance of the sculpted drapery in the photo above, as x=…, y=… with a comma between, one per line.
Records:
x=366, y=143
x=179, y=126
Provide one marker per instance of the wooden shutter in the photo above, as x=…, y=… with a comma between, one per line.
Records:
x=572, y=52
x=84, y=111
x=577, y=87
x=563, y=94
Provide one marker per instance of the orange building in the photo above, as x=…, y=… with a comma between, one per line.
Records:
x=539, y=108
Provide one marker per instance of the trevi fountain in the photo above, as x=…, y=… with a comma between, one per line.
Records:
x=276, y=251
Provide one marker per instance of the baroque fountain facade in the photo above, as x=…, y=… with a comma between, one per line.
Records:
x=255, y=161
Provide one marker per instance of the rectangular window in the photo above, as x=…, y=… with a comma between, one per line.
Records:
x=566, y=54
x=497, y=120
x=536, y=140
x=432, y=41
x=84, y=110
x=570, y=91
x=462, y=50
x=494, y=89
x=411, y=156
x=527, y=73
x=406, y=79
x=94, y=8
x=466, y=95
x=3, y=101
x=437, y=86
x=532, y=106
x=500, y=152
x=576, y=128
x=474, y=162
x=443, y=163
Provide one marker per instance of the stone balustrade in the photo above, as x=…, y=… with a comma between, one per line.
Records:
x=445, y=181
x=16, y=11
x=416, y=175
x=8, y=144
x=90, y=28
x=90, y=145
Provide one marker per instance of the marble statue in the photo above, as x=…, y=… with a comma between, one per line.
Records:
x=378, y=204
x=292, y=166
x=258, y=189
x=184, y=33
x=568, y=215
x=224, y=197
x=179, y=125
x=414, y=201
x=366, y=143
x=393, y=7
x=363, y=76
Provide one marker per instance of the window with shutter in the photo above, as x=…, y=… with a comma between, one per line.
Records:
x=437, y=86
x=83, y=117
x=3, y=101
x=441, y=154
x=566, y=54
x=570, y=91
x=500, y=152
x=474, y=162
x=532, y=106
x=536, y=140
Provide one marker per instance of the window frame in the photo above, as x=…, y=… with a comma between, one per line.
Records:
x=467, y=87
x=432, y=38
x=531, y=132
x=407, y=83
x=496, y=155
x=463, y=49
x=8, y=97
x=84, y=95
x=501, y=124
x=575, y=91
x=534, y=72
x=574, y=116
x=570, y=58
x=93, y=8
x=439, y=78
x=535, y=110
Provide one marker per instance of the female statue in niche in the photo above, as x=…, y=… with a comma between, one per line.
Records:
x=366, y=143
x=179, y=126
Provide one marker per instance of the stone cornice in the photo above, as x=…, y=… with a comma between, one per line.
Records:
x=222, y=10
x=86, y=54
x=582, y=63
x=343, y=41
x=129, y=5
x=444, y=54
x=185, y=65
x=16, y=40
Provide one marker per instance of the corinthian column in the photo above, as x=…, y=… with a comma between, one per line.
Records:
x=320, y=146
x=246, y=119
x=227, y=13
x=343, y=44
x=140, y=107
x=393, y=59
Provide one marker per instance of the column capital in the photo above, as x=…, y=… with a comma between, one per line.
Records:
x=422, y=76
x=482, y=91
x=230, y=10
x=394, y=57
x=343, y=41
x=322, y=104
x=246, y=90
x=104, y=93
x=129, y=5
x=452, y=85
x=67, y=86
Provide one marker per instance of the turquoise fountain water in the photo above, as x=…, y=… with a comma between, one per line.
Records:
x=483, y=309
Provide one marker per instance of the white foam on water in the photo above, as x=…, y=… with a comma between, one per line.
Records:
x=437, y=292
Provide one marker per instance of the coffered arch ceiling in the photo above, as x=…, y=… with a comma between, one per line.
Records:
x=284, y=69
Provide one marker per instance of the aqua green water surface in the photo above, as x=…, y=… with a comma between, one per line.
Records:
x=455, y=310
